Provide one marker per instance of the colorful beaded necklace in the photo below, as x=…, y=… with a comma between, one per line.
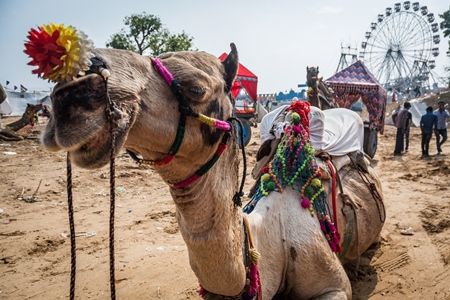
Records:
x=294, y=165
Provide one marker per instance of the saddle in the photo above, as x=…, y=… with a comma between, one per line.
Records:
x=337, y=132
x=336, y=137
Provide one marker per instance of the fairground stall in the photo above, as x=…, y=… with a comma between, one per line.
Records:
x=357, y=82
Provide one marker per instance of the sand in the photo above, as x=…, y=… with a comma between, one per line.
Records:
x=150, y=255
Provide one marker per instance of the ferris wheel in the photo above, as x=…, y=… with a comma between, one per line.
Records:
x=400, y=46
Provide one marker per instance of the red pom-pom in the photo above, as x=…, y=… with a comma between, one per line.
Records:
x=265, y=169
x=305, y=203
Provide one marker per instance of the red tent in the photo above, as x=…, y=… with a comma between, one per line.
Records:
x=245, y=79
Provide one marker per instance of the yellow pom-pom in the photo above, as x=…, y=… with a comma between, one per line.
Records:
x=254, y=255
x=265, y=177
x=316, y=182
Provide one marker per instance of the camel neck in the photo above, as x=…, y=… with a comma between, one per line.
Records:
x=211, y=226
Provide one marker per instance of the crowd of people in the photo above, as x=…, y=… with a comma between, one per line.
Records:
x=431, y=121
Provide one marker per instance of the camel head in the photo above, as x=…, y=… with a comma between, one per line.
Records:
x=312, y=74
x=145, y=112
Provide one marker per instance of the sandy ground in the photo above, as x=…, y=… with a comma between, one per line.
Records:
x=151, y=258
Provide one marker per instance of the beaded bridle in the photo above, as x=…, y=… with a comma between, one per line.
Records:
x=185, y=111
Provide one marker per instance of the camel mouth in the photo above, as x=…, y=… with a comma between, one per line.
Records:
x=96, y=141
x=95, y=151
x=81, y=121
x=103, y=136
x=89, y=148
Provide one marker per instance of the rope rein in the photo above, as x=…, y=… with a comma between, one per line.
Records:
x=112, y=191
x=112, y=114
x=73, y=253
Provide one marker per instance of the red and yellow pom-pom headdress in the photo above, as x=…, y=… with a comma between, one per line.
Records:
x=59, y=52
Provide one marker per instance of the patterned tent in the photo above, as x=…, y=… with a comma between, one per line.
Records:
x=356, y=81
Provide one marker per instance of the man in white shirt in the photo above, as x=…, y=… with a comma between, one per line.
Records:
x=441, y=130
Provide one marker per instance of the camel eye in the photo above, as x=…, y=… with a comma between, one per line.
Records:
x=197, y=91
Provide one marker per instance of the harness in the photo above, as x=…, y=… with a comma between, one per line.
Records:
x=350, y=207
x=185, y=111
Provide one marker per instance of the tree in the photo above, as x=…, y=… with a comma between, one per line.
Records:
x=146, y=35
x=445, y=26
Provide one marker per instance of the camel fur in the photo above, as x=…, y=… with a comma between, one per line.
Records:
x=296, y=261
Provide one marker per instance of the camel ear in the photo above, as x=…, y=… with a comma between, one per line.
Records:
x=231, y=64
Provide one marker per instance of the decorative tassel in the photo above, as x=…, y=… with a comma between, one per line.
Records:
x=322, y=226
x=332, y=245
x=254, y=279
x=254, y=255
x=303, y=109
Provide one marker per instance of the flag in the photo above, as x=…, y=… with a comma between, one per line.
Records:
x=15, y=87
x=23, y=89
x=7, y=82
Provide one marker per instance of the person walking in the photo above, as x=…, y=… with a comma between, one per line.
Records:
x=399, y=118
x=441, y=130
x=428, y=123
x=408, y=126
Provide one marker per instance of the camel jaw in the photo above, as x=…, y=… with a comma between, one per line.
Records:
x=79, y=123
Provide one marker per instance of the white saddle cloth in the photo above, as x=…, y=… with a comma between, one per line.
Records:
x=343, y=132
x=336, y=131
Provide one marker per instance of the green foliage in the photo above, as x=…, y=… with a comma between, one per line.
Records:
x=146, y=35
x=445, y=26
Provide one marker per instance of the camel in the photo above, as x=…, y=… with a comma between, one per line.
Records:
x=320, y=94
x=296, y=261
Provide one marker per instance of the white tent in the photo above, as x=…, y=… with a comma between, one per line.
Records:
x=5, y=108
x=417, y=110
x=18, y=101
x=260, y=112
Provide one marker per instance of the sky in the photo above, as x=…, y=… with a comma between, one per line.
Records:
x=276, y=40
